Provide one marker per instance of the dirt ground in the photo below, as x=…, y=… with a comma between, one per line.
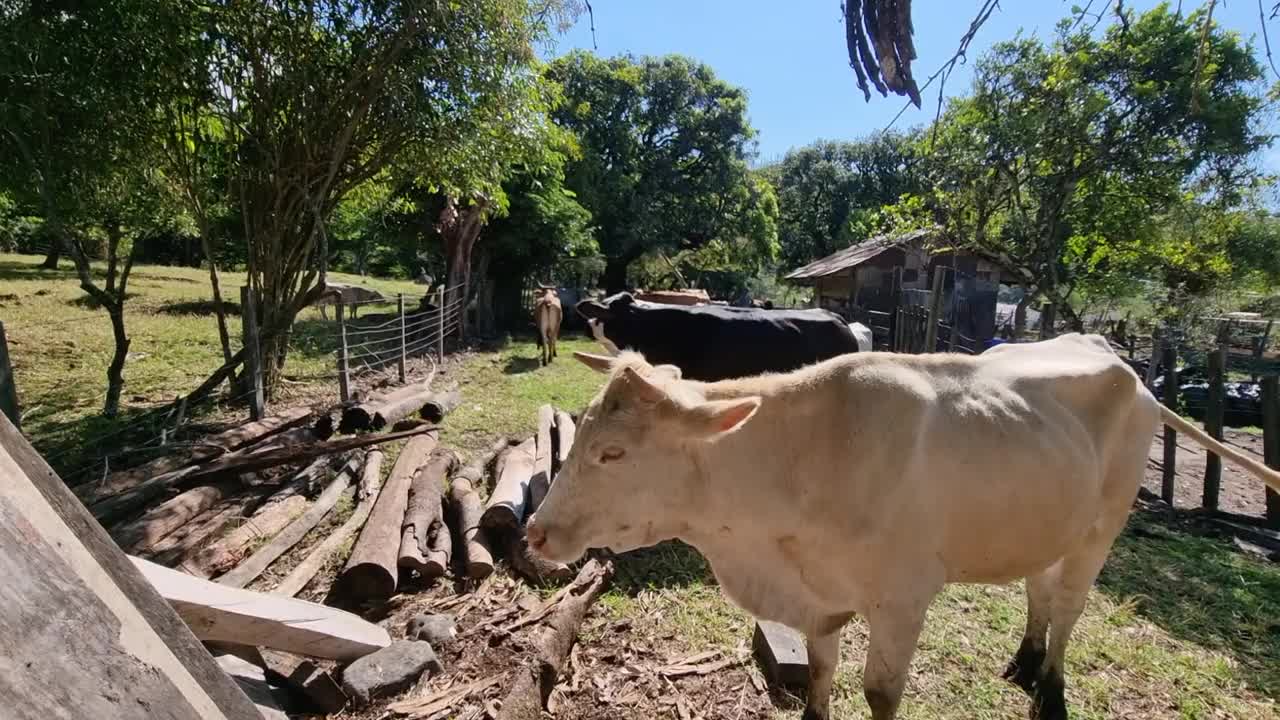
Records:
x=1241, y=494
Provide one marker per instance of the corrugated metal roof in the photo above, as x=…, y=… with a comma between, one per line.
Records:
x=855, y=255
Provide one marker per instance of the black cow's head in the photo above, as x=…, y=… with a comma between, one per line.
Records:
x=612, y=321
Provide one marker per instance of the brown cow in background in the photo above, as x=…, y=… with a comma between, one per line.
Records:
x=547, y=314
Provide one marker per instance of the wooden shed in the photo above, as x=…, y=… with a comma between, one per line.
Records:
x=871, y=279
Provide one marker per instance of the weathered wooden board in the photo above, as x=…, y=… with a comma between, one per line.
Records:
x=122, y=631
x=220, y=613
x=782, y=652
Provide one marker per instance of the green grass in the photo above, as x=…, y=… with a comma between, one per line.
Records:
x=60, y=347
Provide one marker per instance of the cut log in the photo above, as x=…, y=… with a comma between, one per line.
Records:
x=371, y=572
x=565, y=430
x=361, y=417
x=370, y=481
x=272, y=516
x=540, y=480
x=424, y=515
x=307, y=678
x=472, y=542
x=224, y=614
x=530, y=565
x=241, y=461
x=439, y=405
x=782, y=652
x=143, y=533
x=255, y=564
x=209, y=448
x=554, y=638
x=510, y=496
x=441, y=551
x=187, y=539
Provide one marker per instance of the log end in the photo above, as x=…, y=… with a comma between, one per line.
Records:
x=354, y=419
x=366, y=582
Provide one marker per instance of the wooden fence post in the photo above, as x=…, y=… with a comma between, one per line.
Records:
x=1215, y=408
x=935, y=311
x=8, y=388
x=344, y=377
x=1155, y=359
x=440, y=320
x=1271, y=441
x=252, y=350
x=1170, y=360
x=403, y=345
x=1048, y=316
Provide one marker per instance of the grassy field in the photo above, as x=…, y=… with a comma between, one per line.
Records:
x=1180, y=626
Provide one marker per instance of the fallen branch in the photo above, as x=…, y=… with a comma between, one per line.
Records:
x=371, y=571
x=370, y=481
x=443, y=700
x=534, y=682
x=530, y=565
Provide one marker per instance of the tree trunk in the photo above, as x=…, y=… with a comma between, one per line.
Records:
x=115, y=371
x=615, y=274
x=1020, y=316
x=486, y=321
x=55, y=252
x=459, y=228
x=223, y=336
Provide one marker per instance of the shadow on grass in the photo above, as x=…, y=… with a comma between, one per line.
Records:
x=671, y=564
x=517, y=365
x=15, y=270
x=1202, y=590
x=198, y=307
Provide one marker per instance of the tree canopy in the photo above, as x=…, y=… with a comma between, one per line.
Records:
x=664, y=156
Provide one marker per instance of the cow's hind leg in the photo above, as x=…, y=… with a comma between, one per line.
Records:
x=824, y=656
x=1076, y=573
x=1024, y=668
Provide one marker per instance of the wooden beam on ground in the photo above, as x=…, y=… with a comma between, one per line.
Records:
x=782, y=652
x=158, y=522
x=540, y=480
x=209, y=448
x=424, y=516
x=371, y=572
x=510, y=498
x=370, y=482
x=225, y=614
x=473, y=543
x=261, y=559
x=56, y=556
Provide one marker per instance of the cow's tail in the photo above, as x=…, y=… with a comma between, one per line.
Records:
x=1177, y=422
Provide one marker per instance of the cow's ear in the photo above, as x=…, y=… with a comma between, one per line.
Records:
x=623, y=299
x=592, y=310
x=599, y=363
x=715, y=418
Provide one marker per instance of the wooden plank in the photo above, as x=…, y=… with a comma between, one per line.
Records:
x=540, y=480
x=261, y=559
x=1271, y=441
x=308, y=678
x=510, y=498
x=253, y=680
x=1169, y=356
x=157, y=637
x=1215, y=407
x=935, y=310
x=782, y=652
x=226, y=614
x=370, y=482
x=8, y=389
x=371, y=572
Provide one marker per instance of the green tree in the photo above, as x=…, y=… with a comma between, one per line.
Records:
x=1063, y=159
x=314, y=99
x=827, y=190
x=78, y=87
x=664, y=148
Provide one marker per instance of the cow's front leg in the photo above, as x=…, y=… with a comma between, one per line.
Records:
x=895, y=630
x=824, y=656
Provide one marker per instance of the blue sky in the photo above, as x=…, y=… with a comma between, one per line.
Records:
x=790, y=56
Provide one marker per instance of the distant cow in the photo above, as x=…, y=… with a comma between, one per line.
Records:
x=547, y=313
x=352, y=297
x=712, y=342
x=866, y=483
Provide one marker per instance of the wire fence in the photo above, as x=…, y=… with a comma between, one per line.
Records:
x=65, y=422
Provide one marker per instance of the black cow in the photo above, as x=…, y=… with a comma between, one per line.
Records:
x=714, y=342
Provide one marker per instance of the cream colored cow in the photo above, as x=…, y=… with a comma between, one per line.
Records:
x=865, y=483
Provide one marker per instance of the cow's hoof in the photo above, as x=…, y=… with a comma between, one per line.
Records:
x=1024, y=669
x=1049, y=702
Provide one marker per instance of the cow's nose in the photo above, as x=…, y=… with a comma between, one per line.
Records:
x=534, y=533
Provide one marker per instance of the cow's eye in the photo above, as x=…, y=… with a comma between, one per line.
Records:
x=610, y=454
